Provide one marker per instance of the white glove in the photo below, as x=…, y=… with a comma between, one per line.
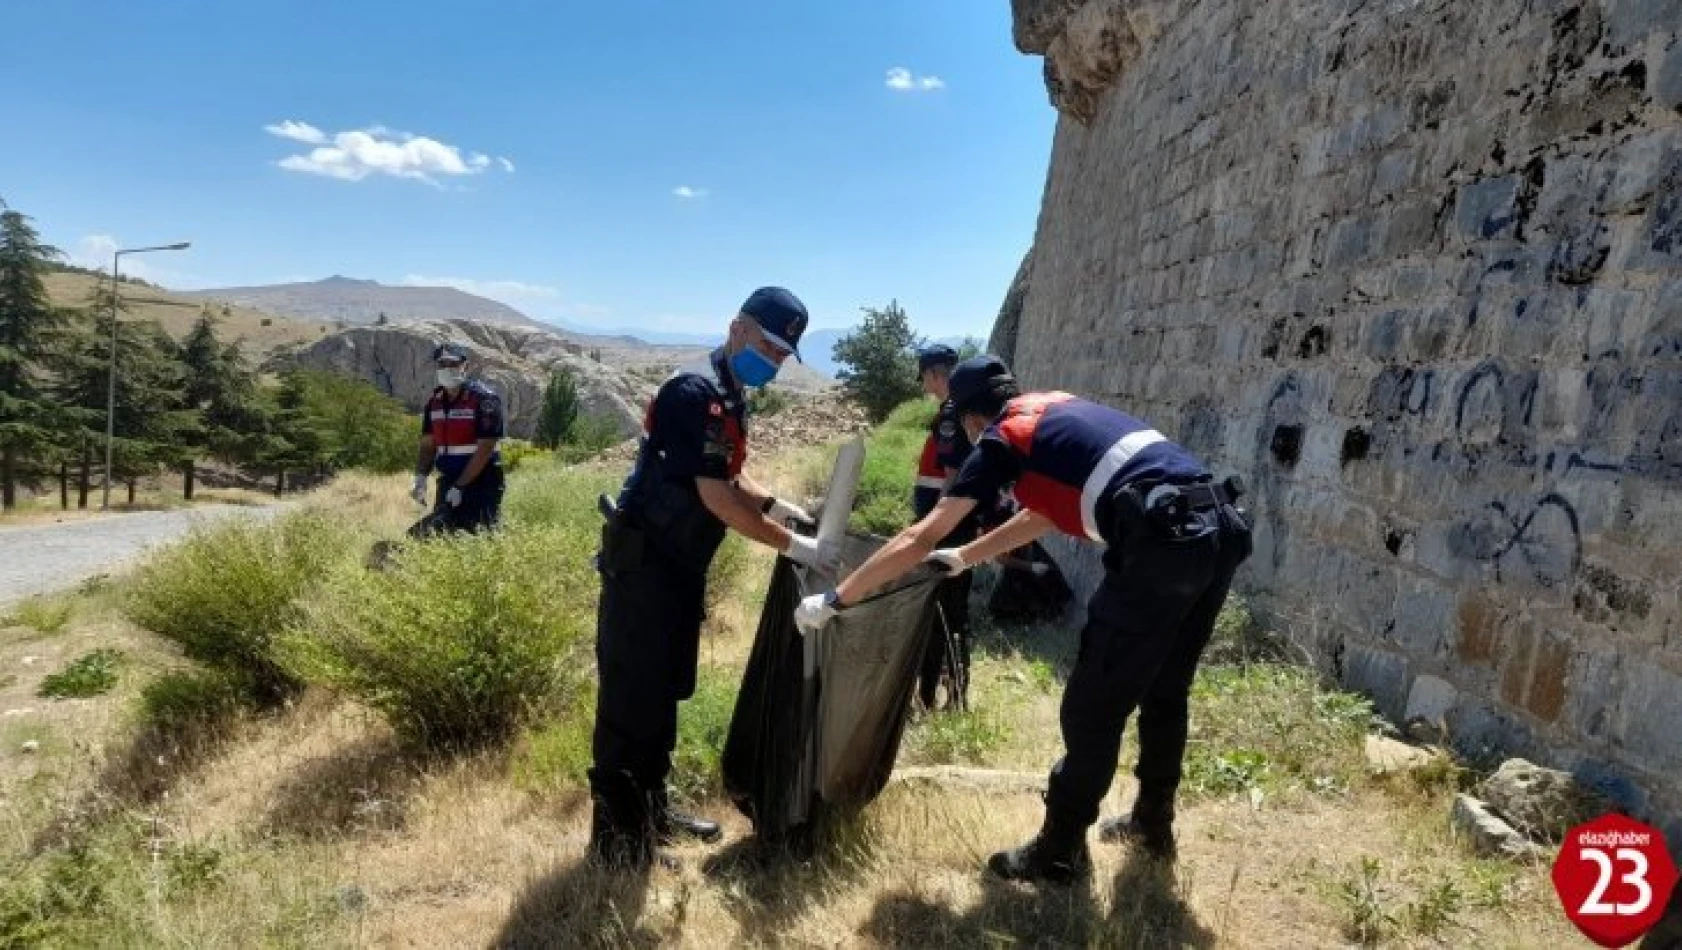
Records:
x=812, y=614
x=950, y=560
x=418, y=493
x=783, y=512
x=812, y=553
x=452, y=497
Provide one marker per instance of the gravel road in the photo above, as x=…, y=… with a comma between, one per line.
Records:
x=41, y=558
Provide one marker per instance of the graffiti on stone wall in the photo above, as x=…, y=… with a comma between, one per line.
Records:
x=1540, y=543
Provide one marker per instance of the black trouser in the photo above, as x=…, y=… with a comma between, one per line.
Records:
x=648, y=634
x=1146, y=628
x=949, y=645
x=481, y=503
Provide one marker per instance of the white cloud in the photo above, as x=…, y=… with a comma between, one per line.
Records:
x=685, y=191
x=507, y=165
x=901, y=79
x=377, y=150
x=495, y=289
x=298, y=132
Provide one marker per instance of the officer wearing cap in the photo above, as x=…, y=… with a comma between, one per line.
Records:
x=943, y=452
x=687, y=489
x=461, y=426
x=1174, y=539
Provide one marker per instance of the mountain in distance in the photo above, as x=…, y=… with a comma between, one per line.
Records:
x=344, y=299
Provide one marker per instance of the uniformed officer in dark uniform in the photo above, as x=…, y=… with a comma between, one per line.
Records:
x=460, y=428
x=688, y=487
x=945, y=449
x=1174, y=538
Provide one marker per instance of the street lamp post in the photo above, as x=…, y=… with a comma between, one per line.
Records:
x=111, y=382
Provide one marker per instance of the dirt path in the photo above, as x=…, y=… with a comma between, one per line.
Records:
x=36, y=560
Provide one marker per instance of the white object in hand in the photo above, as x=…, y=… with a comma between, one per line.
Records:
x=813, y=553
x=418, y=492
x=950, y=558
x=452, y=497
x=783, y=512
x=813, y=613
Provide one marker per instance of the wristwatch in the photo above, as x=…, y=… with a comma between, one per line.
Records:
x=832, y=600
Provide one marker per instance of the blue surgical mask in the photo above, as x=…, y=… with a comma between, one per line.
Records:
x=752, y=368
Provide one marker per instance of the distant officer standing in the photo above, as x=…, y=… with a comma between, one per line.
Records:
x=1174, y=541
x=460, y=430
x=943, y=452
x=688, y=487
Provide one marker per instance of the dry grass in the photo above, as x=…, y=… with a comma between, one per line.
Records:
x=255, y=331
x=309, y=827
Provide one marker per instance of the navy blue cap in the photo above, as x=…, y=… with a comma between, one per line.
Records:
x=453, y=352
x=936, y=354
x=780, y=314
x=974, y=379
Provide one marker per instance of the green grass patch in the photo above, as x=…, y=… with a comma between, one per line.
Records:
x=88, y=675
x=185, y=701
x=226, y=592
x=1274, y=728
x=883, y=503
x=971, y=737
x=41, y=614
x=555, y=753
x=703, y=725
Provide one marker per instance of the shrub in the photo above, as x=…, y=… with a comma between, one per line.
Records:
x=89, y=675
x=588, y=437
x=461, y=638
x=517, y=452
x=41, y=614
x=226, y=592
x=767, y=401
x=557, y=751
x=548, y=493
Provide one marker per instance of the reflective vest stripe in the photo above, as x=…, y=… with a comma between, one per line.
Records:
x=457, y=449
x=931, y=481
x=1105, y=470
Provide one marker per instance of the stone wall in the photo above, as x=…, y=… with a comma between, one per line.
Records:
x=1414, y=267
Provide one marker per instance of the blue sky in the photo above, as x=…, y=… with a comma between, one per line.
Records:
x=638, y=163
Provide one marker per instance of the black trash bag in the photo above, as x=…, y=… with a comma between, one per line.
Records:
x=1031, y=588
x=819, y=719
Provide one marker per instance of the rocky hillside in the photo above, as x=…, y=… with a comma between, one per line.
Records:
x=615, y=381
x=352, y=301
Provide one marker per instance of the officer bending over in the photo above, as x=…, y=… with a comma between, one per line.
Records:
x=1174, y=540
x=687, y=488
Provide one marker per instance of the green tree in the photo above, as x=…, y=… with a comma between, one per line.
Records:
x=30, y=423
x=878, y=361
x=361, y=427
x=153, y=425
x=220, y=388
x=298, y=441
x=559, y=417
x=970, y=348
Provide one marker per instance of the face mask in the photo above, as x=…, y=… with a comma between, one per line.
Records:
x=752, y=368
x=451, y=378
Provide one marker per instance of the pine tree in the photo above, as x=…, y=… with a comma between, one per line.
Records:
x=220, y=389
x=30, y=425
x=878, y=362
x=152, y=424
x=297, y=440
x=560, y=410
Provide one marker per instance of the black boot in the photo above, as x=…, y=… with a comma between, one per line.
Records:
x=670, y=824
x=621, y=828
x=1057, y=854
x=1150, y=826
